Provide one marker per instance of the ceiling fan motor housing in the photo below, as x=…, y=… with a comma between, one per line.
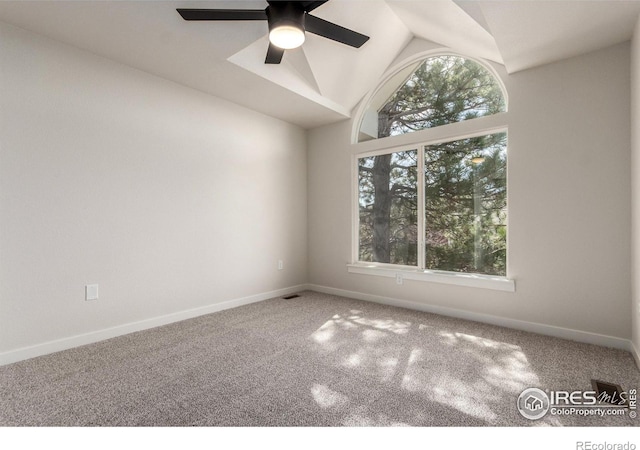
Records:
x=289, y=14
x=288, y=23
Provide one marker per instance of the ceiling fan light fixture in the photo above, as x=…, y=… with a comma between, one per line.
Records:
x=286, y=36
x=286, y=24
x=288, y=21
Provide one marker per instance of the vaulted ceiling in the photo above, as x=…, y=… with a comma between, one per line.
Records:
x=322, y=81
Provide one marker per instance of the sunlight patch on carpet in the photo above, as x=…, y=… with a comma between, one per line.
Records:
x=328, y=398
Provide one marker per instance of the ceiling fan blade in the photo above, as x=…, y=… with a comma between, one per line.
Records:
x=310, y=6
x=222, y=14
x=274, y=54
x=334, y=32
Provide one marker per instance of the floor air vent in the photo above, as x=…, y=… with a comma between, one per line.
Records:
x=608, y=392
x=289, y=297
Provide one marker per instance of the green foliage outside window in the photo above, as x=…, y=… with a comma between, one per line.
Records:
x=464, y=214
x=466, y=205
x=442, y=90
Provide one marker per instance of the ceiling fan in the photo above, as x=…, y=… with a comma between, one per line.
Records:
x=287, y=20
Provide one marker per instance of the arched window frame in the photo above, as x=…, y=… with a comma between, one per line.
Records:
x=481, y=126
x=415, y=59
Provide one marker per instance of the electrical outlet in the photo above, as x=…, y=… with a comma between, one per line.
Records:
x=91, y=292
x=399, y=279
x=280, y=264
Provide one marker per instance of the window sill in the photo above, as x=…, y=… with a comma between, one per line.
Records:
x=457, y=279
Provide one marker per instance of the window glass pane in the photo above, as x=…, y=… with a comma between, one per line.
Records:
x=466, y=205
x=438, y=91
x=388, y=208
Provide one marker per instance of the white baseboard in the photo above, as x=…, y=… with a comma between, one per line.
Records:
x=100, y=335
x=539, y=328
x=636, y=354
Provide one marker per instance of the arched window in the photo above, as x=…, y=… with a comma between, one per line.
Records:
x=434, y=206
x=436, y=91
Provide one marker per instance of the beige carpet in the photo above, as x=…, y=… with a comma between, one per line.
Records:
x=317, y=360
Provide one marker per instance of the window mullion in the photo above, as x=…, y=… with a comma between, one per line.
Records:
x=421, y=209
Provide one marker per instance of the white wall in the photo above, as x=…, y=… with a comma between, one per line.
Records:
x=569, y=196
x=170, y=199
x=635, y=189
